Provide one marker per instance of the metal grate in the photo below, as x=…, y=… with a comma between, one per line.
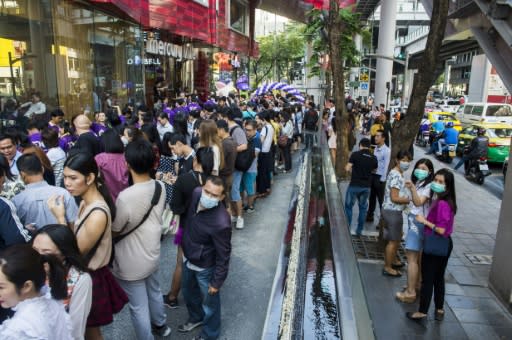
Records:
x=369, y=247
x=479, y=258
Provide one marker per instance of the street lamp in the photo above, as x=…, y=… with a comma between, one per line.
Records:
x=11, y=62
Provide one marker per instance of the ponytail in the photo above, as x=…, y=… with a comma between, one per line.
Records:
x=105, y=193
x=56, y=277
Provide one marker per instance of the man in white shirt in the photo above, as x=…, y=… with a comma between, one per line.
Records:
x=37, y=107
x=163, y=125
x=265, y=159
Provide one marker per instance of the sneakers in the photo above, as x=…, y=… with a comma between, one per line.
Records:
x=187, y=327
x=233, y=219
x=249, y=209
x=239, y=223
x=170, y=303
x=161, y=331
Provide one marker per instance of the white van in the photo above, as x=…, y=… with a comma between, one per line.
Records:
x=471, y=113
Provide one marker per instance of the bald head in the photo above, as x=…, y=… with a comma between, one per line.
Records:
x=82, y=123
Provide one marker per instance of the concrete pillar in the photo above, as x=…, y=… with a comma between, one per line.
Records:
x=500, y=279
x=386, y=47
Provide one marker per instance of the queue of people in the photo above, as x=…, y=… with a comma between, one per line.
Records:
x=428, y=202
x=82, y=207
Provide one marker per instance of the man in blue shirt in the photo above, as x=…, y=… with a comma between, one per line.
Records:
x=448, y=136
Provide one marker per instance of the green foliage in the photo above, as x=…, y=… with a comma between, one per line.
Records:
x=315, y=33
x=278, y=54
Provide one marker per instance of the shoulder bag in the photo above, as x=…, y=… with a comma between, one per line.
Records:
x=435, y=244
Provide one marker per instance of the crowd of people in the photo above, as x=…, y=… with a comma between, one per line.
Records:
x=427, y=200
x=83, y=201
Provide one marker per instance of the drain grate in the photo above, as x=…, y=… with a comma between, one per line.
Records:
x=479, y=258
x=370, y=248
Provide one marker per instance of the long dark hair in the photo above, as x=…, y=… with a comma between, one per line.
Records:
x=85, y=164
x=66, y=241
x=5, y=169
x=449, y=194
x=204, y=156
x=428, y=163
x=111, y=142
x=21, y=263
x=180, y=124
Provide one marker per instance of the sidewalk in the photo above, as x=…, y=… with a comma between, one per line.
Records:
x=472, y=311
x=247, y=289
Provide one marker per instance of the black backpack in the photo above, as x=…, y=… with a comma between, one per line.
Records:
x=244, y=158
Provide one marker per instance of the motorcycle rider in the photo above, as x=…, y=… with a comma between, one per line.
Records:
x=448, y=136
x=437, y=129
x=477, y=148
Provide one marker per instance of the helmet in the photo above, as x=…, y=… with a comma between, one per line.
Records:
x=480, y=131
x=449, y=124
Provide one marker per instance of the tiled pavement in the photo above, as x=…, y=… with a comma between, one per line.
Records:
x=473, y=312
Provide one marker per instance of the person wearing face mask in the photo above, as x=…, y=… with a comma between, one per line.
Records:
x=396, y=199
x=419, y=185
x=206, y=253
x=440, y=220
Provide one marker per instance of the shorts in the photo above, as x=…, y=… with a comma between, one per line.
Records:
x=248, y=183
x=414, y=239
x=394, y=225
x=235, y=187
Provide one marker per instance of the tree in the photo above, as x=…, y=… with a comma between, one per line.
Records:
x=278, y=54
x=342, y=25
x=405, y=130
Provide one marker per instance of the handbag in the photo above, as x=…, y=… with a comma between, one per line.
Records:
x=170, y=222
x=282, y=141
x=435, y=244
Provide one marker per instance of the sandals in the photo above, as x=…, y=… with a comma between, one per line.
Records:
x=396, y=274
x=418, y=319
x=404, y=298
x=398, y=265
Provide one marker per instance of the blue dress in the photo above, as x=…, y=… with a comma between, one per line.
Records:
x=167, y=165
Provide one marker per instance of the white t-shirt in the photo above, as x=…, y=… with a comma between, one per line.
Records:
x=37, y=318
x=422, y=192
x=57, y=158
x=267, y=134
x=137, y=256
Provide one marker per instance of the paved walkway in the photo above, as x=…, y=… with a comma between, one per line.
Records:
x=246, y=292
x=472, y=311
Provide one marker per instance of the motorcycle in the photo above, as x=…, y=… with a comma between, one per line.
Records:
x=447, y=154
x=424, y=138
x=478, y=170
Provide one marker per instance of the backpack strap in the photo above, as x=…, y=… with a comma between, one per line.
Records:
x=154, y=201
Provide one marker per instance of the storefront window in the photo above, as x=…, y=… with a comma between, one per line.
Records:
x=78, y=58
x=26, y=61
x=239, y=16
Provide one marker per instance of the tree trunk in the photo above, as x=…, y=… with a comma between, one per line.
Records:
x=335, y=28
x=328, y=89
x=405, y=130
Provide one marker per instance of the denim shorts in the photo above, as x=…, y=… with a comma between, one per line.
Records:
x=248, y=183
x=414, y=240
x=235, y=187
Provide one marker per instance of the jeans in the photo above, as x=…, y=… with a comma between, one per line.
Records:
x=263, y=178
x=200, y=304
x=360, y=194
x=432, y=279
x=376, y=193
x=287, y=155
x=309, y=138
x=146, y=304
x=463, y=160
x=441, y=143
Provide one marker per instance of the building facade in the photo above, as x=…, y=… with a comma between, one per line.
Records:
x=80, y=54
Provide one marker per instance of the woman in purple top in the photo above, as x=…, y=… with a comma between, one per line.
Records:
x=112, y=164
x=439, y=220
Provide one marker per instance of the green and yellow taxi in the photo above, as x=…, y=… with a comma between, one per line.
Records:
x=499, y=135
x=445, y=117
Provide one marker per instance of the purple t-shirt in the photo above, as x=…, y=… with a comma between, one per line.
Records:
x=98, y=129
x=66, y=142
x=441, y=214
x=37, y=140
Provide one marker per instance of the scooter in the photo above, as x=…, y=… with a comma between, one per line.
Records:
x=447, y=154
x=424, y=139
x=478, y=170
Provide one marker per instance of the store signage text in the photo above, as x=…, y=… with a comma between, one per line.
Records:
x=146, y=61
x=171, y=50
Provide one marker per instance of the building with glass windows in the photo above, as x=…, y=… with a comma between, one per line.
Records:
x=80, y=54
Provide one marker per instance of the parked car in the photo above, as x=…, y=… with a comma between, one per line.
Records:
x=471, y=113
x=499, y=135
x=449, y=105
x=446, y=117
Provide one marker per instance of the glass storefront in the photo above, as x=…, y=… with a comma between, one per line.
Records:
x=77, y=58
